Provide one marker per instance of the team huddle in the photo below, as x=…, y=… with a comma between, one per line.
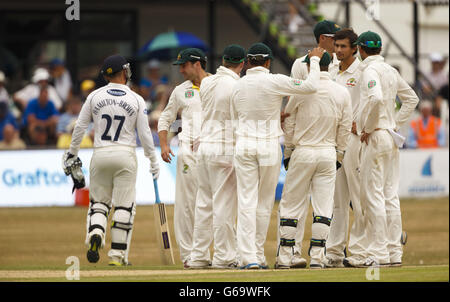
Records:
x=341, y=151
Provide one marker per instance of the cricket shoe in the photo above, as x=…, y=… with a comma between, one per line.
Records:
x=94, y=245
x=281, y=266
x=298, y=262
x=116, y=261
x=316, y=265
x=198, y=265
x=372, y=262
x=251, y=266
x=353, y=262
x=263, y=265
x=232, y=265
x=332, y=263
x=395, y=264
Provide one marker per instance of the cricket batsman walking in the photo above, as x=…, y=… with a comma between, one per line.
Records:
x=116, y=112
x=185, y=99
x=316, y=133
x=215, y=209
x=377, y=123
x=256, y=105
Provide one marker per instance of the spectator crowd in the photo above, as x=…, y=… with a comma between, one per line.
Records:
x=42, y=114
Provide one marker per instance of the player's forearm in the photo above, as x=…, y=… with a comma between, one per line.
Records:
x=78, y=133
x=373, y=114
x=409, y=102
x=163, y=138
x=311, y=84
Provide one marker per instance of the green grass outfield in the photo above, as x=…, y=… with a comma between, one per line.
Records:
x=36, y=243
x=436, y=273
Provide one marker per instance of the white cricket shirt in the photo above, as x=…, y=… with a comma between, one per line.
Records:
x=117, y=112
x=350, y=78
x=323, y=119
x=300, y=69
x=380, y=84
x=215, y=95
x=257, y=98
x=185, y=98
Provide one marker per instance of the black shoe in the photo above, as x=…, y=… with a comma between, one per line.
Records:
x=92, y=253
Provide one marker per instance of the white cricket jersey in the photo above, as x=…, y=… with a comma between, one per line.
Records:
x=215, y=94
x=117, y=112
x=323, y=119
x=257, y=98
x=350, y=78
x=300, y=69
x=185, y=98
x=380, y=84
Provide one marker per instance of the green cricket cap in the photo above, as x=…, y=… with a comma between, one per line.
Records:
x=369, y=39
x=191, y=55
x=325, y=27
x=260, y=50
x=324, y=61
x=234, y=53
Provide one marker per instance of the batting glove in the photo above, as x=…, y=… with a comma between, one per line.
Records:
x=154, y=169
x=72, y=166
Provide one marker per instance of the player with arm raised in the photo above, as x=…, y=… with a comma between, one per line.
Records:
x=324, y=33
x=318, y=128
x=256, y=105
x=116, y=112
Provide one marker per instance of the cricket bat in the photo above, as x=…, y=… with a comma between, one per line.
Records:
x=162, y=228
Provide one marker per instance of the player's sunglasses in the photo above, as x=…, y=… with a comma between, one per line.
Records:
x=371, y=44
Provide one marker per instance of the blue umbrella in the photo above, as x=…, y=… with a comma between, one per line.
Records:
x=166, y=46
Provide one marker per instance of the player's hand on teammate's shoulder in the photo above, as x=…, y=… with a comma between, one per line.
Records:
x=316, y=52
x=165, y=154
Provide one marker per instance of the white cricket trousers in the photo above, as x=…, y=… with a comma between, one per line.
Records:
x=185, y=196
x=311, y=170
x=347, y=190
x=112, y=181
x=257, y=164
x=379, y=197
x=215, y=208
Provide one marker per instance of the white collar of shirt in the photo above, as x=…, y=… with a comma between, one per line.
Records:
x=369, y=60
x=258, y=69
x=222, y=70
x=353, y=67
x=117, y=85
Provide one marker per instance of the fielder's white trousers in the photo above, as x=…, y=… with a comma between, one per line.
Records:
x=215, y=209
x=311, y=170
x=347, y=189
x=185, y=196
x=379, y=197
x=257, y=164
x=112, y=182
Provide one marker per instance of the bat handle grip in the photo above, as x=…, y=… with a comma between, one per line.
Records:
x=155, y=185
